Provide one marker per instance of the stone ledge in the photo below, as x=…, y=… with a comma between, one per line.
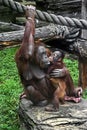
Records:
x=71, y=116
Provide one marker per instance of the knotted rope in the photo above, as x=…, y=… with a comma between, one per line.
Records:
x=44, y=16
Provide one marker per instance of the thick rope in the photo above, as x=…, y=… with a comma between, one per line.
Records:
x=44, y=16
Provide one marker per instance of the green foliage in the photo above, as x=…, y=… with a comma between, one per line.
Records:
x=9, y=90
x=85, y=94
x=72, y=66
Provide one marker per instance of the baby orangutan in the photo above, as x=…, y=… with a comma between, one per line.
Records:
x=56, y=59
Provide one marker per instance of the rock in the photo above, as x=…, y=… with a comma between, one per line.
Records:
x=71, y=116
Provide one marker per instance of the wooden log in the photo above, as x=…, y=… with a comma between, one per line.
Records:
x=45, y=32
x=9, y=44
x=51, y=35
x=83, y=73
x=27, y=2
x=64, y=4
x=82, y=61
x=4, y=27
x=70, y=116
x=71, y=8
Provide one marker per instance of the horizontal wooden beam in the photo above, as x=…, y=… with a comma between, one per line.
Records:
x=45, y=32
x=4, y=27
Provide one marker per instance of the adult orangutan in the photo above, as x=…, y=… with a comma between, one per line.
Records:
x=32, y=63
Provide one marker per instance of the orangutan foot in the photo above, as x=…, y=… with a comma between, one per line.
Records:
x=74, y=99
x=23, y=95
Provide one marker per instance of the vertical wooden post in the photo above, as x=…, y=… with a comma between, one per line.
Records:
x=84, y=16
x=83, y=62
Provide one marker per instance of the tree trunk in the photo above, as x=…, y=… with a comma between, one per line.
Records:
x=70, y=116
x=82, y=61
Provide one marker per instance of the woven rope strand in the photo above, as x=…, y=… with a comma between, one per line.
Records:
x=44, y=16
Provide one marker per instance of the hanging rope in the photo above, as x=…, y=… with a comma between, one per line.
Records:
x=44, y=16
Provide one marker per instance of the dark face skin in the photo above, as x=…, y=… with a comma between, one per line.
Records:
x=42, y=58
x=55, y=57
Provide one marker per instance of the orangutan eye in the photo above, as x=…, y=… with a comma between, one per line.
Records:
x=55, y=55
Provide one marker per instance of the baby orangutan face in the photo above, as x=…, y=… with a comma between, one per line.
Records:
x=56, y=56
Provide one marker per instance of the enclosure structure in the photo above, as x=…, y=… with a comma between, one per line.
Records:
x=76, y=9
